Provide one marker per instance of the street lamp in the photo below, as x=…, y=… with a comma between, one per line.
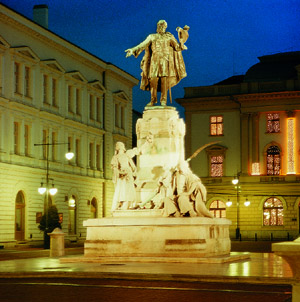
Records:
x=47, y=189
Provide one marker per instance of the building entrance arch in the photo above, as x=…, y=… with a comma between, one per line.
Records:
x=20, y=217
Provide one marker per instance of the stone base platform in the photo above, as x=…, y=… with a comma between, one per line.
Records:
x=155, y=238
x=232, y=257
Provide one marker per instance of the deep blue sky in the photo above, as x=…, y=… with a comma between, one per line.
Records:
x=226, y=36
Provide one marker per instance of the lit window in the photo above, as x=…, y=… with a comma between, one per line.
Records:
x=216, y=125
x=273, y=161
x=216, y=165
x=273, y=211
x=273, y=122
x=218, y=209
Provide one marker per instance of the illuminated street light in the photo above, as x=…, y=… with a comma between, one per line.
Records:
x=235, y=181
x=42, y=189
x=52, y=191
x=229, y=203
x=247, y=203
x=69, y=155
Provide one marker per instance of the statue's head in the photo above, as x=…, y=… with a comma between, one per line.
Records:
x=161, y=26
x=120, y=146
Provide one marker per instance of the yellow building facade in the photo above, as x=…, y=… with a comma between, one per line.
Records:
x=253, y=123
x=55, y=95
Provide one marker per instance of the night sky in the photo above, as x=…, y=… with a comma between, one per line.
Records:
x=226, y=36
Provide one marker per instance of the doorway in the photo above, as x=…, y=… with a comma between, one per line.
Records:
x=20, y=217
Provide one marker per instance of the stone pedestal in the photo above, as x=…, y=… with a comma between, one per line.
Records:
x=155, y=238
x=57, y=243
x=168, y=131
x=290, y=251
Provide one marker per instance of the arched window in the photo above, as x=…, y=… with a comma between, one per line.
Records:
x=216, y=159
x=72, y=216
x=273, y=160
x=94, y=208
x=273, y=211
x=218, y=209
x=20, y=217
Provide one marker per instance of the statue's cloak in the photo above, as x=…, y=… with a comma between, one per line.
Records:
x=174, y=55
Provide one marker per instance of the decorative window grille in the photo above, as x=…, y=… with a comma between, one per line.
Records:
x=216, y=165
x=273, y=161
x=273, y=122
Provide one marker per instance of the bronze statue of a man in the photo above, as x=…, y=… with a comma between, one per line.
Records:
x=162, y=65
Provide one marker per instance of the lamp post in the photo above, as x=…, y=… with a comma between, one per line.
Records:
x=236, y=181
x=52, y=191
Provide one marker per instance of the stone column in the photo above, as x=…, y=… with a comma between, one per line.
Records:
x=244, y=143
x=255, y=137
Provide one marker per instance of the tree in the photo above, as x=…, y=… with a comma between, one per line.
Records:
x=49, y=222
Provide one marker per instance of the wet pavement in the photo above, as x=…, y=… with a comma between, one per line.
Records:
x=259, y=266
x=262, y=276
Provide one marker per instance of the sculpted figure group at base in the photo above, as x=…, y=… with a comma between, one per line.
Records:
x=181, y=193
x=162, y=65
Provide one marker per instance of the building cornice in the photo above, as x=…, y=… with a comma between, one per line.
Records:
x=49, y=38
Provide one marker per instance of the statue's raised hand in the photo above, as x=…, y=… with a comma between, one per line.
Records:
x=129, y=52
